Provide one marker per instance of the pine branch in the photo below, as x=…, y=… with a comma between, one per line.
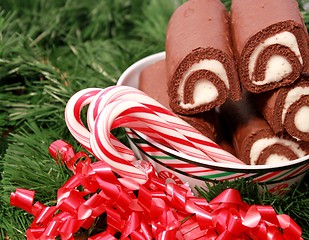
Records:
x=14, y=223
x=51, y=49
x=27, y=164
x=295, y=204
x=57, y=22
x=153, y=28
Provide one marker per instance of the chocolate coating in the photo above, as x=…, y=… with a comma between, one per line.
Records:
x=253, y=22
x=271, y=105
x=199, y=30
x=247, y=127
x=152, y=81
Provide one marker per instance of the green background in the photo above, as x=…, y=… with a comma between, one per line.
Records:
x=51, y=49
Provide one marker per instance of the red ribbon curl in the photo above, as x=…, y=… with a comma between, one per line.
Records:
x=159, y=211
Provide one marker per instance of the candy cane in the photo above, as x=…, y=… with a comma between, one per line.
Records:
x=72, y=115
x=131, y=113
x=123, y=106
x=136, y=116
x=200, y=141
x=162, y=127
x=77, y=127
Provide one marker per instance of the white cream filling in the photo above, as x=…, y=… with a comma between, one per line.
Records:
x=203, y=85
x=293, y=95
x=263, y=143
x=301, y=119
x=277, y=68
x=204, y=91
x=284, y=38
x=275, y=159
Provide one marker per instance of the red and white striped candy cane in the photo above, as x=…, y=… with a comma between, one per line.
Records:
x=72, y=115
x=131, y=114
x=159, y=126
x=201, y=142
x=77, y=128
x=123, y=106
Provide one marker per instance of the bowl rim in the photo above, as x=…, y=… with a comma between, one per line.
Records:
x=138, y=64
x=248, y=168
x=222, y=166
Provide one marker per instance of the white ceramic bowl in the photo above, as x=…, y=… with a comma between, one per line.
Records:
x=277, y=177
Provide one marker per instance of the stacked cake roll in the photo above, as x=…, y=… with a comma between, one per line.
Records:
x=240, y=78
x=270, y=42
x=253, y=139
x=152, y=81
x=201, y=70
x=287, y=109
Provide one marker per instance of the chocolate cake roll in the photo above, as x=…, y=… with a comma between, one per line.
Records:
x=287, y=109
x=270, y=41
x=200, y=64
x=253, y=139
x=152, y=81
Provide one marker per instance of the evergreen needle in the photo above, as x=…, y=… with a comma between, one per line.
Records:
x=51, y=49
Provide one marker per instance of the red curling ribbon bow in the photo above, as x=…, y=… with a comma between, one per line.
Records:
x=158, y=210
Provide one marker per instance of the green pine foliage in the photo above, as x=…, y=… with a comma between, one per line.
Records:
x=295, y=203
x=51, y=49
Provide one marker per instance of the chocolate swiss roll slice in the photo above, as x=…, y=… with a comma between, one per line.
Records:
x=254, y=141
x=200, y=64
x=270, y=41
x=287, y=109
x=152, y=81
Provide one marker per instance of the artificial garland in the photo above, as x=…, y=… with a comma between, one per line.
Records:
x=51, y=49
